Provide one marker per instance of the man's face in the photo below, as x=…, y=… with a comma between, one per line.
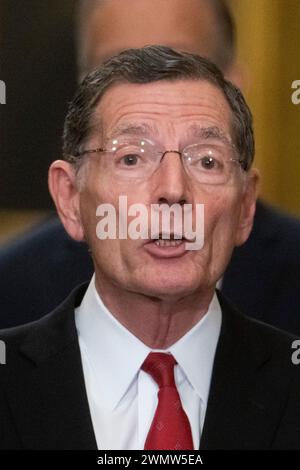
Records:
x=170, y=111
x=188, y=25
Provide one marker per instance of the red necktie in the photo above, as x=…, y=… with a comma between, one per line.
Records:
x=170, y=428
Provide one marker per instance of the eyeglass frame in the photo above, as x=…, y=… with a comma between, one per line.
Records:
x=74, y=158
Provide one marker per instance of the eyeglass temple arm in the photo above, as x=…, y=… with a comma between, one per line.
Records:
x=97, y=150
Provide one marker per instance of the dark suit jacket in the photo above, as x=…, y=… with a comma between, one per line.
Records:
x=253, y=402
x=263, y=279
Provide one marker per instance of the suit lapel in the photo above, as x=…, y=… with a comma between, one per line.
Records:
x=48, y=397
x=239, y=413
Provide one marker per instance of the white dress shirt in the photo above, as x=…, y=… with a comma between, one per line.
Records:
x=122, y=398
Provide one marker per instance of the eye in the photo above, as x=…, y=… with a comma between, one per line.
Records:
x=205, y=158
x=209, y=163
x=130, y=159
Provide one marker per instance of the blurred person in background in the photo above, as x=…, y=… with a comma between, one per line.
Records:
x=263, y=277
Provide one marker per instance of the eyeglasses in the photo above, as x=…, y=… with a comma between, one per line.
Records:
x=130, y=158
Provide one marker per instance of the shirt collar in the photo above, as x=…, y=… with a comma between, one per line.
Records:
x=115, y=355
x=195, y=351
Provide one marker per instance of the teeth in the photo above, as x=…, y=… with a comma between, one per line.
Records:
x=168, y=242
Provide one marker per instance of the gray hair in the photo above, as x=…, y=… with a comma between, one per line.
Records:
x=146, y=65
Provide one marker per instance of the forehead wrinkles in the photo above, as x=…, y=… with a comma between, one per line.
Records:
x=134, y=104
x=137, y=120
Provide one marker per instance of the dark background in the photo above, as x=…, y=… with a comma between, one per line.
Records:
x=36, y=43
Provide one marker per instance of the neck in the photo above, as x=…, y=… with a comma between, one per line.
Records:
x=157, y=322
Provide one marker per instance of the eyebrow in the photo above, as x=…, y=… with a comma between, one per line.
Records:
x=211, y=132
x=194, y=131
x=139, y=129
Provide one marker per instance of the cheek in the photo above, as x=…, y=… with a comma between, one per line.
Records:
x=221, y=215
x=114, y=251
x=93, y=194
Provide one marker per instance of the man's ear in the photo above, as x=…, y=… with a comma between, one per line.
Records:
x=248, y=206
x=65, y=194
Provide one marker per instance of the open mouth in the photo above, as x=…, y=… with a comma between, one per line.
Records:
x=165, y=245
x=168, y=239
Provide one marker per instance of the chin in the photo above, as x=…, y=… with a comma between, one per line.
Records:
x=167, y=285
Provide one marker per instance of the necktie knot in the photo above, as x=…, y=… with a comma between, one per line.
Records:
x=161, y=367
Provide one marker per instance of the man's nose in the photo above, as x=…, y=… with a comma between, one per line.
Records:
x=172, y=179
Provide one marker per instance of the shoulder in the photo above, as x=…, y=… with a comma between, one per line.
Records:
x=34, y=241
x=271, y=222
x=38, y=270
x=256, y=338
x=43, y=338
